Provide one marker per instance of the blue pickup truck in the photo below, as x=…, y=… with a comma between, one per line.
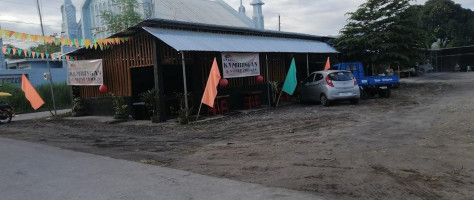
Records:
x=369, y=85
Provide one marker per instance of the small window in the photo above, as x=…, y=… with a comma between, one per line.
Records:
x=25, y=67
x=319, y=77
x=309, y=79
x=340, y=76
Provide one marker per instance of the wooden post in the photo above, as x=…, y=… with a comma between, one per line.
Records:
x=307, y=64
x=268, y=81
x=185, y=85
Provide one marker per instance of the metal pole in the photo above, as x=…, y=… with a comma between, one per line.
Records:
x=268, y=81
x=279, y=23
x=47, y=61
x=185, y=85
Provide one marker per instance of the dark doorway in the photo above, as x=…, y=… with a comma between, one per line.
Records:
x=142, y=80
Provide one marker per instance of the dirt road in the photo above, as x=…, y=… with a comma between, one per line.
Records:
x=418, y=144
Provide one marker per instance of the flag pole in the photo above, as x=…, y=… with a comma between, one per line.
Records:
x=278, y=101
x=199, y=111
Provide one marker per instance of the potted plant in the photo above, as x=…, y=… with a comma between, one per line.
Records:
x=77, y=107
x=183, y=113
x=275, y=91
x=149, y=97
x=120, y=107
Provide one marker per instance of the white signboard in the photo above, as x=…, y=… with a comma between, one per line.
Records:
x=240, y=64
x=85, y=72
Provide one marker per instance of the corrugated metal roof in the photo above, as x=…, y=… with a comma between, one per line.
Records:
x=201, y=11
x=204, y=41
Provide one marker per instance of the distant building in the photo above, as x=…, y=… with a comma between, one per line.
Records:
x=216, y=12
x=34, y=69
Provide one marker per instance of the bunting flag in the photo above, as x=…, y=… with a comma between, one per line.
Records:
x=4, y=49
x=210, y=92
x=72, y=42
x=327, y=66
x=30, y=93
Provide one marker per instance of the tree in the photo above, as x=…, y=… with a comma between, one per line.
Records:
x=382, y=32
x=448, y=23
x=12, y=55
x=51, y=48
x=127, y=16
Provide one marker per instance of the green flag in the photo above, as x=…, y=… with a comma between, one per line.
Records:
x=290, y=82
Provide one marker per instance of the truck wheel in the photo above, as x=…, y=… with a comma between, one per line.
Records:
x=387, y=93
x=384, y=93
x=324, y=100
x=363, y=94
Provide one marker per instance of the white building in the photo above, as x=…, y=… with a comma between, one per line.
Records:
x=93, y=25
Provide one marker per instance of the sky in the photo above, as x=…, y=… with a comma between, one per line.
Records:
x=315, y=17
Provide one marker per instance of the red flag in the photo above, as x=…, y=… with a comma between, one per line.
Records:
x=30, y=93
x=328, y=66
x=210, y=92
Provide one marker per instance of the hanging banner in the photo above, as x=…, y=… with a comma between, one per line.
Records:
x=85, y=72
x=240, y=64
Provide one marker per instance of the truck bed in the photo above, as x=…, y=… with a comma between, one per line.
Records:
x=377, y=80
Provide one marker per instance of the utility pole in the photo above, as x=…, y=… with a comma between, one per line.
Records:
x=2, y=56
x=47, y=59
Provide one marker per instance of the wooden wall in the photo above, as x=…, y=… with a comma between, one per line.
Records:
x=139, y=52
x=117, y=61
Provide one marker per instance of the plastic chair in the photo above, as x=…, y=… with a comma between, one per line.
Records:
x=256, y=100
x=223, y=107
x=214, y=110
x=248, y=101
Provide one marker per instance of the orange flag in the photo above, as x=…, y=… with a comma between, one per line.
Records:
x=210, y=92
x=30, y=93
x=328, y=66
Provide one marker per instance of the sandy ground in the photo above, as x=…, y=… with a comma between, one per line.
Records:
x=418, y=144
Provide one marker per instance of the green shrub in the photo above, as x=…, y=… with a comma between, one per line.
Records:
x=22, y=105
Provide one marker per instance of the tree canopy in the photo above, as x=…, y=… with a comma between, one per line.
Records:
x=51, y=48
x=127, y=16
x=382, y=32
x=448, y=23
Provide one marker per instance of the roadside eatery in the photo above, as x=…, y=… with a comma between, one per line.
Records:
x=175, y=58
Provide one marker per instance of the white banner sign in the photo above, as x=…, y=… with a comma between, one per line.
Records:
x=240, y=64
x=85, y=72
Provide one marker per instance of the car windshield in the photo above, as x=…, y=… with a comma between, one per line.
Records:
x=340, y=76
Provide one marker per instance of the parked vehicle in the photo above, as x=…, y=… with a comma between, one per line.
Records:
x=425, y=68
x=369, y=85
x=328, y=86
x=6, y=112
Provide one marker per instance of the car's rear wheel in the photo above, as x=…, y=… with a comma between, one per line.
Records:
x=324, y=100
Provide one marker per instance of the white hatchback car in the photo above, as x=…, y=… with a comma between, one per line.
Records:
x=329, y=86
